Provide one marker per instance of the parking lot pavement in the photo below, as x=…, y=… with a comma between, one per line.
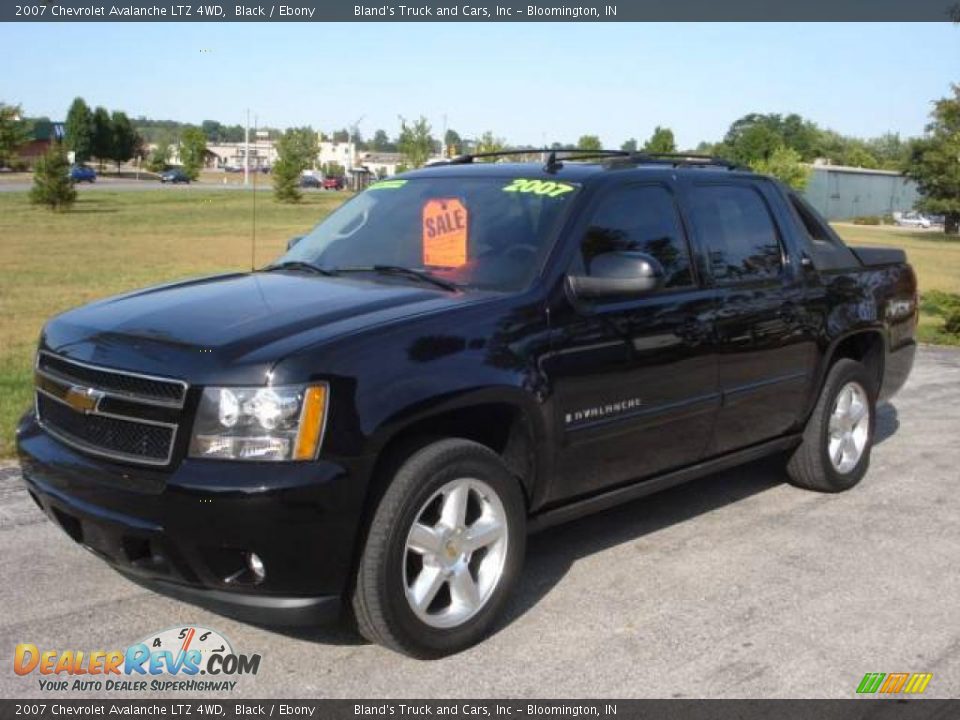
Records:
x=736, y=585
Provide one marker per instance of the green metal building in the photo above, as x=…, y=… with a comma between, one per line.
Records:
x=841, y=193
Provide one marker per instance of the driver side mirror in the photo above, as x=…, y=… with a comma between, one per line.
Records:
x=617, y=274
x=293, y=241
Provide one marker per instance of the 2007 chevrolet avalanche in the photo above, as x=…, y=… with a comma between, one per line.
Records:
x=454, y=357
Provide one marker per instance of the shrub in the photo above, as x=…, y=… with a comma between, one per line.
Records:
x=52, y=185
x=866, y=220
x=286, y=180
x=952, y=324
x=938, y=302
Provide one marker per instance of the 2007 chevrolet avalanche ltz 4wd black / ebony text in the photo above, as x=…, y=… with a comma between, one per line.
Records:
x=453, y=358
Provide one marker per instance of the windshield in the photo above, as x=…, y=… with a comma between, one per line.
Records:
x=485, y=233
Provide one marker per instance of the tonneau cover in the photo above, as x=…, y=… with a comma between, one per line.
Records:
x=878, y=256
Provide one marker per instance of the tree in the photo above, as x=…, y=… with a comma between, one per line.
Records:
x=13, y=132
x=935, y=162
x=755, y=136
x=755, y=144
x=193, y=147
x=79, y=130
x=341, y=136
x=102, y=136
x=630, y=145
x=890, y=151
x=452, y=143
x=661, y=141
x=286, y=179
x=589, y=142
x=381, y=142
x=786, y=165
x=297, y=150
x=415, y=142
x=487, y=143
x=52, y=185
x=333, y=169
x=213, y=130
x=157, y=162
x=800, y=135
x=301, y=144
x=860, y=157
x=125, y=139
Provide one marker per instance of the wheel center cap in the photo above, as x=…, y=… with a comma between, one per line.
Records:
x=453, y=548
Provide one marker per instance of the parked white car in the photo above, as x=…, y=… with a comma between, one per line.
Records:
x=912, y=219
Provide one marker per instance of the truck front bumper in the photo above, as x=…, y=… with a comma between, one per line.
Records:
x=189, y=532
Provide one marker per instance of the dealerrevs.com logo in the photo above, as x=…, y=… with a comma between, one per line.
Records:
x=187, y=659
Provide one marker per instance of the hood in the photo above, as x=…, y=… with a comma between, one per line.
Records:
x=230, y=320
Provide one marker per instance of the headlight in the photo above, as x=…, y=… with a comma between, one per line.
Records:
x=264, y=423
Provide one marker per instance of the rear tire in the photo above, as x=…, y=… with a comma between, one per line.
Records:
x=835, y=452
x=443, y=553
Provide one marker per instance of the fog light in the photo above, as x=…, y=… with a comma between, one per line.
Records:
x=256, y=566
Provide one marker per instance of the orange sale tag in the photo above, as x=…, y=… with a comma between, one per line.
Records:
x=444, y=233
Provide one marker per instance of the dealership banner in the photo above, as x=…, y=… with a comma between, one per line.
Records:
x=481, y=709
x=477, y=11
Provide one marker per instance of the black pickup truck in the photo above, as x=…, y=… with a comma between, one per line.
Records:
x=456, y=357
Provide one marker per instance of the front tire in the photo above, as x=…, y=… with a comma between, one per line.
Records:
x=835, y=452
x=443, y=553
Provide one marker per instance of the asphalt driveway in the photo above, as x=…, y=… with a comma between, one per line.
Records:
x=736, y=585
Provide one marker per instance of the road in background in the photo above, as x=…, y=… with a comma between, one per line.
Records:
x=736, y=585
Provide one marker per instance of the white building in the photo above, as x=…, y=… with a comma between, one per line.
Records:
x=263, y=154
x=342, y=153
x=381, y=164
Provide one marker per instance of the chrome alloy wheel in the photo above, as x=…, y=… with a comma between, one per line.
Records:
x=455, y=553
x=849, y=427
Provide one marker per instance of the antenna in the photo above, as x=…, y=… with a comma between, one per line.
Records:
x=253, y=236
x=552, y=163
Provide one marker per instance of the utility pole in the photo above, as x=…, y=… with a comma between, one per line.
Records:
x=352, y=140
x=246, y=151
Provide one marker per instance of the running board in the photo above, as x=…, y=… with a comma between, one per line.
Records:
x=612, y=498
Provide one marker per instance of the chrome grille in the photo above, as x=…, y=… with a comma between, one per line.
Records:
x=110, y=413
x=143, y=388
x=121, y=439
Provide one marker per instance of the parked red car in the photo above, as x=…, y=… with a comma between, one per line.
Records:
x=333, y=183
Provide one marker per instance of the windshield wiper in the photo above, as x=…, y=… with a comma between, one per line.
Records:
x=299, y=265
x=421, y=275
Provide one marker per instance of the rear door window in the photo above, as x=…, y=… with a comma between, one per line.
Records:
x=828, y=251
x=737, y=232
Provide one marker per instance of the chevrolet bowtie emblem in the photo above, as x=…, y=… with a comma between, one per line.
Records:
x=82, y=399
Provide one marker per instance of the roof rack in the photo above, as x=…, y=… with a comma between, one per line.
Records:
x=468, y=158
x=686, y=159
x=554, y=163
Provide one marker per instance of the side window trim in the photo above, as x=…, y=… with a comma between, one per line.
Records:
x=778, y=232
x=802, y=211
x=681, y=223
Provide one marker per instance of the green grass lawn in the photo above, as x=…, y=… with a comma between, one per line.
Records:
x=117, y=241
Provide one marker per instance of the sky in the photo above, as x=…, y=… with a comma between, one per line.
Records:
x=526, y=82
